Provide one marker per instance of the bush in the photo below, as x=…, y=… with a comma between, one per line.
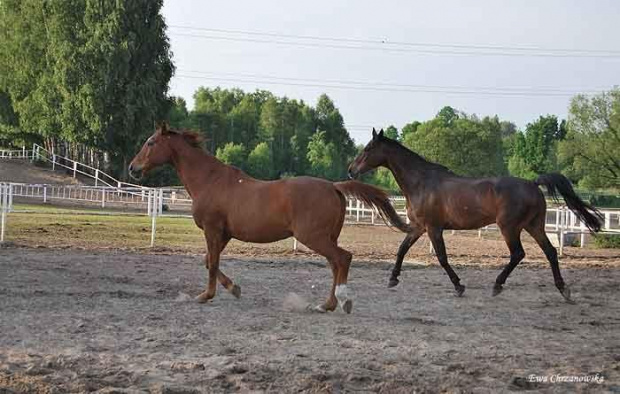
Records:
x=607, y=241
x=605, y=201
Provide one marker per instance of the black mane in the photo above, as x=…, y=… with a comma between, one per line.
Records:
x=421, y=162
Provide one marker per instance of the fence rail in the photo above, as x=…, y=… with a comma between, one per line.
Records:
x=160, y=201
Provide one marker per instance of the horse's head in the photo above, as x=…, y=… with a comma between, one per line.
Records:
x=155, y=152
x=373, y=156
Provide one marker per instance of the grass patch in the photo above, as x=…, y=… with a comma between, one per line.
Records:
x=51, y=226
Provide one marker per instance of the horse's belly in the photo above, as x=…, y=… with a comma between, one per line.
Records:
x=260, y=228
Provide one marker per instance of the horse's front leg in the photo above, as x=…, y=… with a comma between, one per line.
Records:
x=436, y=236
x=215, y=244
x=407, y=243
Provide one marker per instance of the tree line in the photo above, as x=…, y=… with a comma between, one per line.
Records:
x=93, y=76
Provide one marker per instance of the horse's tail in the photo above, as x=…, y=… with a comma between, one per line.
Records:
x=376, y=198
x=558, y=183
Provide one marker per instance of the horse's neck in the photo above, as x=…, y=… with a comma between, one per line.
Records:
x=195, y=168
x=409, y=170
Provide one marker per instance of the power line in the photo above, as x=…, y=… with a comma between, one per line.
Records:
x=420, y=89
x=394, y=46
x=373, y=84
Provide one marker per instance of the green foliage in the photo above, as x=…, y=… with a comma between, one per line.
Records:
x=233, y=154
x=607, y=241
x=260, y=162
x=178, y=116
x=392, y=133
x=384, y=179
x=322, y=156
x=90, y=72
x=589, y=153
x=466, y=145
x=534, y=152
x=408, y=129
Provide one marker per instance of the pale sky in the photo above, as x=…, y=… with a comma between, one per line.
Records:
x=274, y=55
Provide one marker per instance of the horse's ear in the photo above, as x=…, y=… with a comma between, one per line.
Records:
x=381, y=134
x=374, y=133
x=163, y=127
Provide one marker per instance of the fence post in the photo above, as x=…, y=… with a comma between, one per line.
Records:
x=74, y=168
x=358, y=210
x=34, y=149
x=148, y=203
x=44, y=193
x=157, y=196
x=24, y=151
x=103, y=198
x=562, y=224
x=294, y=244
x=96, y=176
x=53, y=161
x=3, y=206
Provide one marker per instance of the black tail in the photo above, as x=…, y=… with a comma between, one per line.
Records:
x=558, y=183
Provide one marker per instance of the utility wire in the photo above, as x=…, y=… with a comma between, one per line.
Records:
x=374, y=84
x=393, y=46
x=383, y=89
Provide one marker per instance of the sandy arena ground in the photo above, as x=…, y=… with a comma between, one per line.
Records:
x=119, y=322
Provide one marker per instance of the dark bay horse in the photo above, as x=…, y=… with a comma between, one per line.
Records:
x=438, y=199
x=227, y=203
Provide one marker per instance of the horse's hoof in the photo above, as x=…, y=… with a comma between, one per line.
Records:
x=459, y=290
x=347, y=306
x=497, y=289
x=393, y=282
x=318, y=308
x=566, y=294
x=202, y=298
x=236, y=291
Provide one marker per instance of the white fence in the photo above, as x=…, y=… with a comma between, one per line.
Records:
x=151, y=201
x=16, y=154
x=109, y=192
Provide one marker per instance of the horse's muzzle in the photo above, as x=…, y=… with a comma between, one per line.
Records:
x=134, y=172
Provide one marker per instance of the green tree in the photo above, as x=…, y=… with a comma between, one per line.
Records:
x=178, y=116
x=260, y=164
x=331, y=122
x=534, y=152
x=466, y=145
x=392, y=132
x=90, y=72
x=589, y=153
x=233, y=154
x=409, y=128
x=321, y=156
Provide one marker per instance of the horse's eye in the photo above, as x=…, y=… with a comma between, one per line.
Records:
x=150, y=142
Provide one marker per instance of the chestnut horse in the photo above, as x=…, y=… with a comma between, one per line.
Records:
x=227, y=203
x=438, y=199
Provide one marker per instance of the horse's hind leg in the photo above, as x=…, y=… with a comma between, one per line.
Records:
x=225, y=281
x=536, y=229
x=407, y=243
x=436, y=236
x=512, y=237
x=339, y=260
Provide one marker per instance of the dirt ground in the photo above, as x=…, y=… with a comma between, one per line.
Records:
x=22, y=171
x=120, y=322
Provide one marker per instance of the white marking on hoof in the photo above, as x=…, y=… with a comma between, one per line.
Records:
x=344, y=300
x=318, y=308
